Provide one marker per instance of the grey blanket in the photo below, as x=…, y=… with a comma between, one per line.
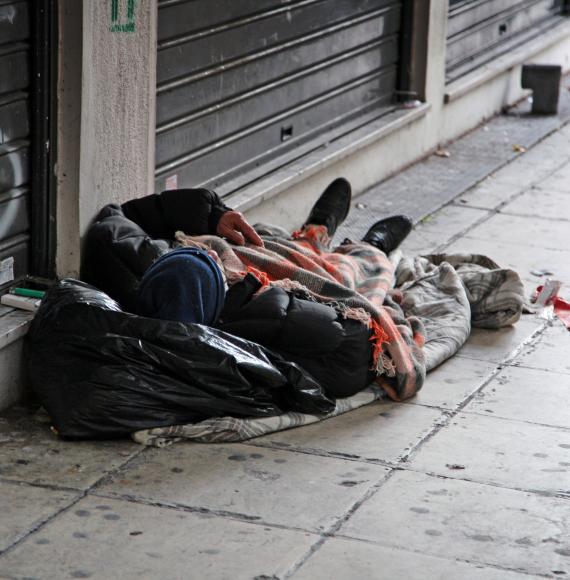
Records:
x=449, y=293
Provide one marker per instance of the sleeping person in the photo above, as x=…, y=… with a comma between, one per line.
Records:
x=183, y=255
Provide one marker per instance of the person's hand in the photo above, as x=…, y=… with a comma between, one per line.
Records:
x=234, y=227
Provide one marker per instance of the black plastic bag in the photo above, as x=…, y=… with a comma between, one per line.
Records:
x=101, y=372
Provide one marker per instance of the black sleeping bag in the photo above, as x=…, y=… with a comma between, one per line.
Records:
x=102, y=373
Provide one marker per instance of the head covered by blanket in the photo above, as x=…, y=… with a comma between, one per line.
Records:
x=184, y=285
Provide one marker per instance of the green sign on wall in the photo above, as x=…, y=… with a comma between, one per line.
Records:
x=123, y=15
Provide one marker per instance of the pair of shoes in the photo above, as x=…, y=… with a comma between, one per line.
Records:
x=332, y=207
x=389, y=233
x=331, y=210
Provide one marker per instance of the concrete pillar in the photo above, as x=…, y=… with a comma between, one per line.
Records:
x=118, y=103
x=105, y=113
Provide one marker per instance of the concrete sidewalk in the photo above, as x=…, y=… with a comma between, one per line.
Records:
x=470, y=480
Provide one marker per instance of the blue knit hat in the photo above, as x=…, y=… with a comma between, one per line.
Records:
x=184, y=285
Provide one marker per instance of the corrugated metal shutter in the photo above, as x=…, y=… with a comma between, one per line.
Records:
x=480, y=30
x=15, y=133
x=242, y=82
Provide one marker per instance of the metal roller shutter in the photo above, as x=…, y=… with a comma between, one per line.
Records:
x=480, y=30
x=26, y=212
x=15, y=134
x=240, y=83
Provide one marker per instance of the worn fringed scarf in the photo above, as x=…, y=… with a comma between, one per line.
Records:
x=356, y=279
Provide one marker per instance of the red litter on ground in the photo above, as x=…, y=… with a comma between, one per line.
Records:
x=547, y=295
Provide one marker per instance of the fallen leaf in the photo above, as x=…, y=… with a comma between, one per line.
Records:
x=442, y=153
x=519, y=149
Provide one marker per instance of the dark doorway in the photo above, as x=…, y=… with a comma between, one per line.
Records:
x=26, y=212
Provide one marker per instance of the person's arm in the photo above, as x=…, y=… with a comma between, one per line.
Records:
x=161, y=215
x=193, y=211
x=116, y=252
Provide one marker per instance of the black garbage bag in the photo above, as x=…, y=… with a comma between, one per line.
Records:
x=101, y=372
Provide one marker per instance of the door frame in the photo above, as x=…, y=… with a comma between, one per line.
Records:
x=412, y=69
x=43, y=145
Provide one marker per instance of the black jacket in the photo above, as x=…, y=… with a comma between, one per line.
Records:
x=124, y=241
x=334, y=350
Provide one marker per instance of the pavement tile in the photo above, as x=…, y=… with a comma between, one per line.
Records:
x=564, y=171
x=524, y=232
x=104, y=539
x=545, y=204
x=559, y=180
x=451, y=383
x=380, y=431
x=273, y=486
x=496, y=345
x=525, y=171
x=24, y=507
x=30, y=452
x=492, y=450
x=508, y=255
x=344, y=559
x=439, y=227
x=537, y=164
x=489, y=193
x=549, y=351
x=459, y=519
x=536, y=396
x=417, y=244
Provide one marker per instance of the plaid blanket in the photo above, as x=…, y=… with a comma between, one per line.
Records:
x=356, y=279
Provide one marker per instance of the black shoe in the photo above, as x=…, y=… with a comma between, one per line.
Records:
x=389, y=233
x=332, y=207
